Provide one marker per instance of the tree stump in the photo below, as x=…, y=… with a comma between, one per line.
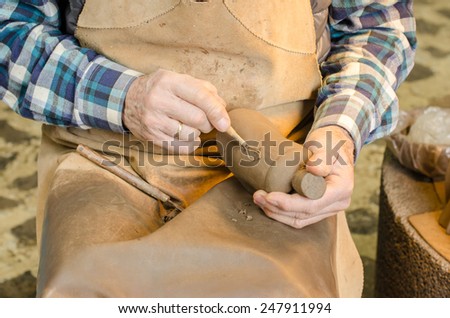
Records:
x=407, y=266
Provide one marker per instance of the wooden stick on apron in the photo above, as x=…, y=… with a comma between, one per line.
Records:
x=135, y=181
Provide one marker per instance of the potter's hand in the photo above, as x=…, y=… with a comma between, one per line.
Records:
x=332, y=158
x=158, y=103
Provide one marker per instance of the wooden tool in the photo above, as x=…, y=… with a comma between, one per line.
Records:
x=249, y=150
x=127, y=176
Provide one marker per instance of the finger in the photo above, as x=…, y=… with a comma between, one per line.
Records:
x=320, y=164
x=297, y=219
x=334, y=199
x=329, y=147
x=287, y=203
x=187, y=133
x=189, y=114
x=195, y=92
x=267, y=204
x=259, y=198
x=180, y=131
x=260, y=193
x=304, y=215
x=169, y=143
x=276, y=201
x=296, y=222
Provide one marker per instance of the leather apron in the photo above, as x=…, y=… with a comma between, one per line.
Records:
x=102, y=237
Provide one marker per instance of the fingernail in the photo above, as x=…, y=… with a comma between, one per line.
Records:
x=259, y=200
x=223, y=124
x=274, y=203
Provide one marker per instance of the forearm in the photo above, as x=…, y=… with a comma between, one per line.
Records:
x=48, y=77
x=372, y=53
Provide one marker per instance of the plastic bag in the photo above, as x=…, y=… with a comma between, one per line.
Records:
x=431, y=127
x=425, y=149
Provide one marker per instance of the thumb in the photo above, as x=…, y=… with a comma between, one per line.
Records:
x=321, y=144
x=319, y=164
x=327, y=146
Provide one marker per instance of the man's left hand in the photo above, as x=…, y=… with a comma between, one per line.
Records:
x=332, y=157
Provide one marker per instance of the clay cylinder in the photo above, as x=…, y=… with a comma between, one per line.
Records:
x=308, y=185
x=275, y=164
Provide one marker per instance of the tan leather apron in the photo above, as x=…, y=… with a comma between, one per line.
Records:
x=102, y=237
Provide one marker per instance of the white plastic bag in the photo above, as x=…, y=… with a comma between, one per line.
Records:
x=423, y=147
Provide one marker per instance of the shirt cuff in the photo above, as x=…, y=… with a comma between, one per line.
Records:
x=350, y=112
x=101, y=93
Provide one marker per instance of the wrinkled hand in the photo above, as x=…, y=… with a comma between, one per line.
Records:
x=335, y=165
x=158, y=103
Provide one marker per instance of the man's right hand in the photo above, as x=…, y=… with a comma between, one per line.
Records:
x=158, y=103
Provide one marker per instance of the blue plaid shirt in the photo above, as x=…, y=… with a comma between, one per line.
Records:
x=47, y=76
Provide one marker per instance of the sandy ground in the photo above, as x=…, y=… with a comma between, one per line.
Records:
x=19, y=143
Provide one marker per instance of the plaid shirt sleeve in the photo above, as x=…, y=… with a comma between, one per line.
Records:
x=46, y=76
x=372, y=52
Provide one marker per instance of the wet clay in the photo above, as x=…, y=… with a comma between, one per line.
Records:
x=276, y=165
